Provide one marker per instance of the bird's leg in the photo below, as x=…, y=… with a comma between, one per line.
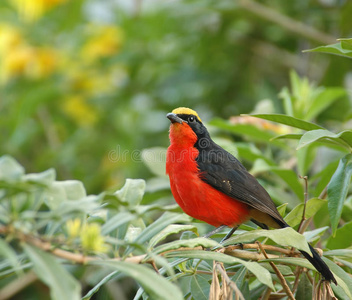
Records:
x=233, y=229
x=216, y=230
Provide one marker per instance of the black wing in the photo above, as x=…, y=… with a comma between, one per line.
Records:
x=225, y=173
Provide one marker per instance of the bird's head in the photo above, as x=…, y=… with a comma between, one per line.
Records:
x=186, y=126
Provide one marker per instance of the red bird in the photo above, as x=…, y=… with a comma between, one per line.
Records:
x=211, y=185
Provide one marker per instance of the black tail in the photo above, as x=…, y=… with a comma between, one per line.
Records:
x=319, y=264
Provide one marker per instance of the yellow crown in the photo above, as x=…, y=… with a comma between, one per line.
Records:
x=186, y=111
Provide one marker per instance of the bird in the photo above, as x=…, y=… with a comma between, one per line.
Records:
x=211, y=185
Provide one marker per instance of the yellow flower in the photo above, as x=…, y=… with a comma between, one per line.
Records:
x=31, y=10
x=10, y=38
x=80, y=111
x=44, y=63
x=73, y=228
x=91, y=238
x=16, y=62
x=105, y=41
x=18, y=58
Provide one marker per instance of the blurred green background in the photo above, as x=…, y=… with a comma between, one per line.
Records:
x=85, y=85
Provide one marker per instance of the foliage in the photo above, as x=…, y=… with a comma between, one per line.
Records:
x=77, y=72
x=342, y=48
x=84, y=87
x=125, y=233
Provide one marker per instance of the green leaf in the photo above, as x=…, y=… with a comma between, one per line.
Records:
x=288, y=120
x=282, y=209
x=61, y=283
x=343, y=138
x=157, y=226
x=245, y=129
x=132, y=192
x=297, y=261
x=285, y=237
x=342, y=48
x=96, y=288
x=344, y=280
x=10, y=169
x=62, y=191
x=338, y=189
x=7, y=252
x=339, y=252
x=251, y=153
x=170, y=229
x=340, y=240
x=289, y=136
x=116, y=221
x=304, y=290
x=199, y=287
x=294, y=217
x=155, y=159
x=156, y=286
x=322, y=101
x=315, y=234
x=191, y=243
x=289, y=176
x=262, y=274
x=47, y=177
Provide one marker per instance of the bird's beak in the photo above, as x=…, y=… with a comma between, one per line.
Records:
x=174, y=118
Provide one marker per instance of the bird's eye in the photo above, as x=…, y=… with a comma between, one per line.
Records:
x=191, y=119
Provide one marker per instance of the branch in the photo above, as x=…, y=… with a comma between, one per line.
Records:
x=278, y=273
x=286, y=22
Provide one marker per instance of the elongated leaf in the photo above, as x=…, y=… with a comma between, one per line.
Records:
x=289, y=136
x=171, y=229
x=166, y=219
x=340, y=240
x=289, y=176
x=285, y=237
x=294, y=217
x=117, y=221
x=262, y=274
x=337, y=190
x=156, y=286
x=61, y=283
x=339, y=252
x=343, y=138
x=199, y=287
x=7, y=252
x=343, y=279
x=304, y=290
x=325, y=98
x=315, y=234
x=96, y=288
x=342, y=48
x=297, y=261
x=288, y=120
x=246, y=130
x=157, y=226
x=192, y=243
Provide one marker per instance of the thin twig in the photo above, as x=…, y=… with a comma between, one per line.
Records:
x=286, y=22
x=324, y=193
x=266, y=295
x=305, y=178
x=297, y=276
x=279, y=275
x=255, y=246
